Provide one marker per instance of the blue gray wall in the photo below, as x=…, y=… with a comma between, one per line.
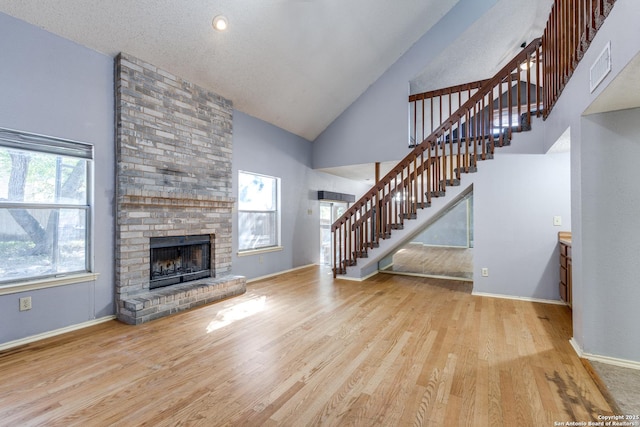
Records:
x=609, y=288
x=266, y=149
x=51, y=86
x=375, y=127
x=516, y=197
x=601, y=146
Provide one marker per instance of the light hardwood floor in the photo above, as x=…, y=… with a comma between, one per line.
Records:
x=450, y=262
x=303, y=349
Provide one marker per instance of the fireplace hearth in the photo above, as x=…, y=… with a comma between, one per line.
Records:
x=174, y=145
x=180, y=259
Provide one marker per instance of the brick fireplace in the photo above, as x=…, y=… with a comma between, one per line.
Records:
x=173, y=152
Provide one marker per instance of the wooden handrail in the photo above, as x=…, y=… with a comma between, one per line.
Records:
x=571, y=27
x=458, y=139
x=430, y=140
x=426, y=107
x=455, y=146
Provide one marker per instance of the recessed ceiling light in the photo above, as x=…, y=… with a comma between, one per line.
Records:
x=220, y=23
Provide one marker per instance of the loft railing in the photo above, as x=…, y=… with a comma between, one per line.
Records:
x=502, y=105
x=427, y=110
x=571, y=27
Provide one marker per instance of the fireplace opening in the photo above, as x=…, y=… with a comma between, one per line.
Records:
x=180, y=259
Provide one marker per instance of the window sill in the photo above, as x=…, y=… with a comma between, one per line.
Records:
x=260, y=251
x=49, y=282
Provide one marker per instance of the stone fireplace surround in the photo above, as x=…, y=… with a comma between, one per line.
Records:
x=173, y=178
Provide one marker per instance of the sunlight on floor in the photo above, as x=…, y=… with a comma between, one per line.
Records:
x=237, y=312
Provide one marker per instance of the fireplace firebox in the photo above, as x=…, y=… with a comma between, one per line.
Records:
x=180, y=259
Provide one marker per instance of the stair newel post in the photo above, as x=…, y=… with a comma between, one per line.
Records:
x=464, y=135
x=337, y=250
x=510, y=106
x=414, y=104
x=414, y=201
x=376, y=205
x=423, y=125
x=459, y=145
x=422, y=170
x=365, y=217
x=519, y=96
x=431, y=114
x=482, y=128
x=436, y=170
x=449, y=157
x=401, y=198
x=350, y=249
x=529, y=65
x=538, y=81
x=411, y=188
x=358, y=226
x=500, y=107
x=335, y=273
x=343, y=248
x=474, y=133
x=490, y=123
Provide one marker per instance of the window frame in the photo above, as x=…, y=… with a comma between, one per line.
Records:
x=277, y=210
x=41, y=144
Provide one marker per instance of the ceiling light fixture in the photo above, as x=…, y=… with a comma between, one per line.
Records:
x=220, y=23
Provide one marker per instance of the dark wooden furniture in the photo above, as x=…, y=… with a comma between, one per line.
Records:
x=564, y=242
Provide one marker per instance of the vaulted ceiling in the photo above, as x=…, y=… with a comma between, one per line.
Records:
x=297, y=64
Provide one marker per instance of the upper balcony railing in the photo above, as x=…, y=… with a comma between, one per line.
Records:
x=571, y=27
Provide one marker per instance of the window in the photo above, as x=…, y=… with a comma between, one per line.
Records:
x=258, y=211
x=44, y=206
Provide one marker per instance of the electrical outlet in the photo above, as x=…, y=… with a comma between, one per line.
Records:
x=260, y=259
x=557, y=221
x=484, y=271
x=25, y=303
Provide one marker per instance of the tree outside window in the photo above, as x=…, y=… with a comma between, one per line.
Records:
x=44, y=207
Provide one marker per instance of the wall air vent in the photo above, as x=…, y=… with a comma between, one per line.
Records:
x=600, y=68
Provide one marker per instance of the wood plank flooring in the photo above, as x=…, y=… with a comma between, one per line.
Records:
x=449, y=262
x=303, y=349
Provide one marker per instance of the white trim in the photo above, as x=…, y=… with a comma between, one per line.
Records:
x=49, y=282
x=427, y=276
x=358, y=279
x=38, y=337
x=576, y=347
x=259, y=251
x=623, y=363
x=255, y=279
x=538, y=300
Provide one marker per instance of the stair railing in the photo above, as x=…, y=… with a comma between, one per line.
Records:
x=427, y=110
x=571, y=27
x=502, y=105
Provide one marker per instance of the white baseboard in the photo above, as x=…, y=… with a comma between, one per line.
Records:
x=255, y=279
x=542, y=301
x=38, y=337
x=603, y=359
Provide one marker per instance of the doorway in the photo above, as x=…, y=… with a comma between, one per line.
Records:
x=329, y=213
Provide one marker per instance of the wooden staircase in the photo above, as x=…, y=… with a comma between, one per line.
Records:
x=465, y=125
x=470, y=134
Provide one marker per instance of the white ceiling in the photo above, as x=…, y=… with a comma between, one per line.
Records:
x=297, y=64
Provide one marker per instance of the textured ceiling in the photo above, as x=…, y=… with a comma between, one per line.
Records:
x=486, y=46
x=297, y=64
